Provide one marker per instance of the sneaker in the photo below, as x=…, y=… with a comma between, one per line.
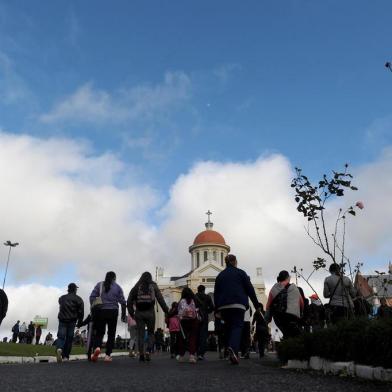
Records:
x=108, y=358
x=200, y=357
x=59, y=355
x=141, y=358
x=148, y=357
x=247, y=356
x=132, y=354
x=180, y=358
x=65, y=359
x=192, y=359
x=233, y=356
x=95, y=356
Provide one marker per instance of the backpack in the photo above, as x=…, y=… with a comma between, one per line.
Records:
x=279, y=303
x=189, y=310
x=145, y=299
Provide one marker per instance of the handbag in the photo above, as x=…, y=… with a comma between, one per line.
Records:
x=98, y=300
x=131, y=322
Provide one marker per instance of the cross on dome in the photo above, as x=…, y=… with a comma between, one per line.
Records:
x=209, y=224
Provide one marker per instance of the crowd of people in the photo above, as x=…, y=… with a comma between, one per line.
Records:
x=26, y=333
x=238, y=326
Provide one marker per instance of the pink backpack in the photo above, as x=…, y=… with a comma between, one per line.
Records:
x=174, y=324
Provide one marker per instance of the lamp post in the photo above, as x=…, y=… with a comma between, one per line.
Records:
x=11, y=245
x=388, y=65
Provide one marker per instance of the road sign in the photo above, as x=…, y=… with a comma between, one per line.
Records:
x=42, y=321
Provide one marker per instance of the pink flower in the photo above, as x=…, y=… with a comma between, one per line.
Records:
x=360, y=205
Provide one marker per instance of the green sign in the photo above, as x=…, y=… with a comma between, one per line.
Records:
x=42, y=321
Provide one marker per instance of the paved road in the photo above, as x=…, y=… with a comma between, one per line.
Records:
x=163, y=374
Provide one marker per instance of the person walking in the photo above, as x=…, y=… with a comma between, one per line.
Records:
x=104, y=299
x=231, y=293
x=3, y=305
x=22, y=333
x=285, y=305
x=15, y=332
x=261, y=330
x=340, y=291
x=173, y=323
x=88, y=321
x=205, y=306
x=38, y=333
x=245, y=336
x=219, y=330
x=71, y=311
x=142, y=297
x=189, y=322
x=132, y=329
x=30, y=333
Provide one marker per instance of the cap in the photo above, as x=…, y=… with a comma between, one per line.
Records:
x=314, y=296
x=72, y=287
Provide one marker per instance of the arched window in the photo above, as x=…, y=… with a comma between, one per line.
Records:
x=222, y=259
x=205, y=255
x=214, y=255
x=197, y=260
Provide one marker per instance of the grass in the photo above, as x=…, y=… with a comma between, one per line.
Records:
x=30, y=350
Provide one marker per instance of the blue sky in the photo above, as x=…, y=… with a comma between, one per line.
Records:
x=302, y=78
x=122, y=122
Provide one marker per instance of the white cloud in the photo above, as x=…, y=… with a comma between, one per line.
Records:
x=61, y=202
x=144, y=102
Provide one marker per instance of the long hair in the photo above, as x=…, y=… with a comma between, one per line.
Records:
x=109, y=279
x=187, y=294
x=144, y=282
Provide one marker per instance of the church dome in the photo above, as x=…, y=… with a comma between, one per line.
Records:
x=209, y=237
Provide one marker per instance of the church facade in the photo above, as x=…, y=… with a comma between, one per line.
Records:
x=207, y=254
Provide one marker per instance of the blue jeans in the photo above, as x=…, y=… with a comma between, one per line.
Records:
x=65, y=336
x=203, y=336
x=233, y=324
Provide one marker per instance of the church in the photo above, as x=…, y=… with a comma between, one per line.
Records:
x=207, y=257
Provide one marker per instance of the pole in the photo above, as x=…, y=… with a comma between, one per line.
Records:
x=6, y=268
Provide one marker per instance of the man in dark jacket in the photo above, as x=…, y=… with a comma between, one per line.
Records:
x=71, y=312
x=15, y=332
x=232, y=290
x=3, y=305
x=205, y=305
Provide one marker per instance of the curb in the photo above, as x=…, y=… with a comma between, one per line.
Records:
x=342, y=369
x=51, y=359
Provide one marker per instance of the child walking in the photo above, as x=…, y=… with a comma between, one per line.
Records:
x=173, y=323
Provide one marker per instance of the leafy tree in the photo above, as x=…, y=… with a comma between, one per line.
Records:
x=311, y=199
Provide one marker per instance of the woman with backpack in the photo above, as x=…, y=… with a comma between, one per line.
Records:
x=189, y=323
x=285, y=305
x=104, y=300
x=142, y=297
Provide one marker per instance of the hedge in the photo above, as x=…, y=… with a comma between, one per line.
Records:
x=367, y=342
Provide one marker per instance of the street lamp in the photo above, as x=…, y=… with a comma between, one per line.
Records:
x=11, y=245
x=388, y=65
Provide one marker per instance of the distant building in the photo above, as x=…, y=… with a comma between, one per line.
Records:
x=208, y=253
x=374, y=287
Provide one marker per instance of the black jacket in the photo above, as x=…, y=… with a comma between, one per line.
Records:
x=71, y=308
x=233, y=286
x=205, y=305
x=132, y=300
x=3, y=305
